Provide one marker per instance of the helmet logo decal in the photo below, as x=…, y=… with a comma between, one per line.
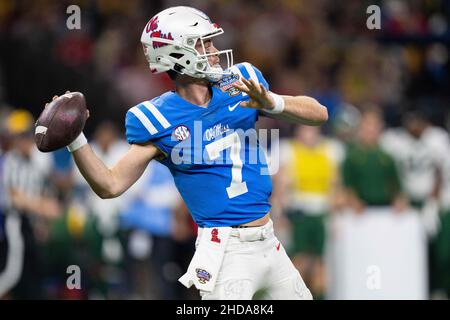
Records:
x=159, y=34
x=152, y=25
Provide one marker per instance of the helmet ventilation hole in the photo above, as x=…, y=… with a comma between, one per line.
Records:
x=177, y=55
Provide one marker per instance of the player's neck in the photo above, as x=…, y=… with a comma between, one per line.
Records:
x=195, y=91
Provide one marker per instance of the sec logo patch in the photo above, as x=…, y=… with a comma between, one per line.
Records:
x=181, y=133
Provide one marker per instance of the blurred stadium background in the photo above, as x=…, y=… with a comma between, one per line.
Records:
x=362, y=204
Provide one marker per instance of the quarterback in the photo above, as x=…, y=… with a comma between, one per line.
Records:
x=237, y=252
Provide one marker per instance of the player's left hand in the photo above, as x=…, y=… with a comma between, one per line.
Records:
x=259, y=96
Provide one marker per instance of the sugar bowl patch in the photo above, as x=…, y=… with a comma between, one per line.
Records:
x=202, y=275
x=226, y=84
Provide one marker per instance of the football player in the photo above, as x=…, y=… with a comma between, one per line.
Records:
x=199, y=132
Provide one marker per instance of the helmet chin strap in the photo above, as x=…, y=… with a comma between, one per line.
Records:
x=212, y=74
x=217, y=76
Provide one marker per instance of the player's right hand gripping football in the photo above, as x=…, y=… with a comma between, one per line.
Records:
x=61, y=122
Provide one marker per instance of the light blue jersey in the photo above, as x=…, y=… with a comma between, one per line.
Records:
x=212, y=152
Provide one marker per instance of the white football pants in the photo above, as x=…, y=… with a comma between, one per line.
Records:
x=255, y=260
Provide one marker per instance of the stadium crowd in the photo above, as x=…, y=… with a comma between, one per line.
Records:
x=386, y=143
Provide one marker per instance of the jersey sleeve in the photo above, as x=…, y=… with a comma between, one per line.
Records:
x=135, y=129
x=145, y=123
x=392, y=142
x=439, y=143
x=249, y=71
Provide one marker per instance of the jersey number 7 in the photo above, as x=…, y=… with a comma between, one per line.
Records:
x=237, y=186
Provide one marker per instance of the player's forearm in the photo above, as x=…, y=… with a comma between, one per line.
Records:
x=305, y=110
x=437, y=183
x=38, y=205
x=97, y=174
x=44, y=207
x=112, y=182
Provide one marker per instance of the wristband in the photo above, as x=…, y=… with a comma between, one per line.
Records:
x=77, y=143
x=279, y=104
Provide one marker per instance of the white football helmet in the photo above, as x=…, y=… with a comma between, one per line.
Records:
x=169, y=40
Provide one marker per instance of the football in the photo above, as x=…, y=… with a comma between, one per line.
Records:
x=60, y=122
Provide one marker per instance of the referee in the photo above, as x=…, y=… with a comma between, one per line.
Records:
x=24, y=182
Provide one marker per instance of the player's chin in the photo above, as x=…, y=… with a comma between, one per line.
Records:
x=216, y=66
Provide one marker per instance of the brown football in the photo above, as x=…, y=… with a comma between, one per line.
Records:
x=60, y=122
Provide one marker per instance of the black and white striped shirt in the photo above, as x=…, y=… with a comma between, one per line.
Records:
x=26, y=175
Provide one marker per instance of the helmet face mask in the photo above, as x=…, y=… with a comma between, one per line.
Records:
x=215, y=72
x=170, y=38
